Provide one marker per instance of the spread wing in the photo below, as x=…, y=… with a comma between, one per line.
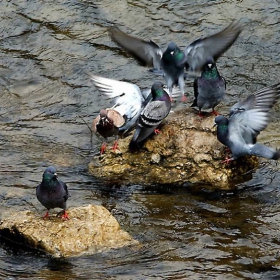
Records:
x=127, y=98
x=250, y=116
x=264, y=98
x=147, y=52
x=213, y=46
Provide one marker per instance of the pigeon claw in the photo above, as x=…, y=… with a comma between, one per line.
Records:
x=227, y=160
x=46, y=216
x=103, y=148
x=200, y=114
x=115, y=146
x=157, y=131
x=216, y=113
x=184, y=98
x=65, y=215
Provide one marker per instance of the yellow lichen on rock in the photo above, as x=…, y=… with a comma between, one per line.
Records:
x=90, y=229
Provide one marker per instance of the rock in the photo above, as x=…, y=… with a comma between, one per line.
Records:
x=90, y=229
x=186, y=151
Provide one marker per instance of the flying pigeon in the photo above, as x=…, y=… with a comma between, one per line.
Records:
x=152, y=115
x=52, y=193
x=209, y=89
x=196, y=53
x=246, y=120
x=171, y=63
x=107, y=124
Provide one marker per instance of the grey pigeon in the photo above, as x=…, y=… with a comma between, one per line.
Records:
x=196, y=53
x=107, y=124
x=246, y=120
x=149, y=53
x=173, y=69
x=209, y=89
x=52, y=193
x=127, y=99
x=151, y=116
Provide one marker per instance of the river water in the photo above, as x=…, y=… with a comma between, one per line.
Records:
x=46, y=50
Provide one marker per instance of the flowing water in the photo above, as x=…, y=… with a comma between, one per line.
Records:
x=47, y=49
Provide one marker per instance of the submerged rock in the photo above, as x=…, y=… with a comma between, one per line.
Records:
x=90, y=229
x=186, y=151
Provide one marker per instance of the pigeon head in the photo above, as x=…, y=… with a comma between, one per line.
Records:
x=209, y=64
x=103, y=117
x=210, y=70
x=158, y=92
x=50, y=174
x=174, y=54
x=221, y=120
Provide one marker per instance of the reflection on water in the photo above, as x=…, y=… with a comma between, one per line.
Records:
x=46, y=51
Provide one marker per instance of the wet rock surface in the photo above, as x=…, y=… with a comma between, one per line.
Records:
x=90, y=229
x=186, y=151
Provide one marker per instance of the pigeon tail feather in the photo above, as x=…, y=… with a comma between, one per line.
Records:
x=266, y=152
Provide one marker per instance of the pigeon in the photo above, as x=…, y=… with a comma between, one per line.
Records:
x=107, y=124
x=246, y=120
x=52, y=193
x=195, y=54
x=173, y=69
x=209, y=89
x=151, y=116
x=127, y=98
x=167, y=63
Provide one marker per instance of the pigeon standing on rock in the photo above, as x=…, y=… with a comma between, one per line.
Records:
x=127, y=99
x=246, y=120
x=52, y=193
x=196, y=53
x=107, y=124
x=152, y=115
x=209, y=89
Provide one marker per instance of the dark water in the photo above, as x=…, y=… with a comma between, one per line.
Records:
x=46, y=50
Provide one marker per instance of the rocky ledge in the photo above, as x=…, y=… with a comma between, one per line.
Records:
x=90, y=229
x=186, y=151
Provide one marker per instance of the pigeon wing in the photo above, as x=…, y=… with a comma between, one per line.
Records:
x=263, y=99
x=154, y=113
x=147, y=52
x=245, y=125
x=213, y=46
x=127, y=97
x=250, y=116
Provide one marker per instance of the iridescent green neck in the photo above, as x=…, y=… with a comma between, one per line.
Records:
x=211, y=73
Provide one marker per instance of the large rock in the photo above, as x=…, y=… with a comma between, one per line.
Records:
x=90, y=229
x=186, y=151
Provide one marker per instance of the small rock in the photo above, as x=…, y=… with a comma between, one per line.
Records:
x=155, y=158
x=90, y=229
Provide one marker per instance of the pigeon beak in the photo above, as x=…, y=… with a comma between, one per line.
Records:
x=55, y=174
